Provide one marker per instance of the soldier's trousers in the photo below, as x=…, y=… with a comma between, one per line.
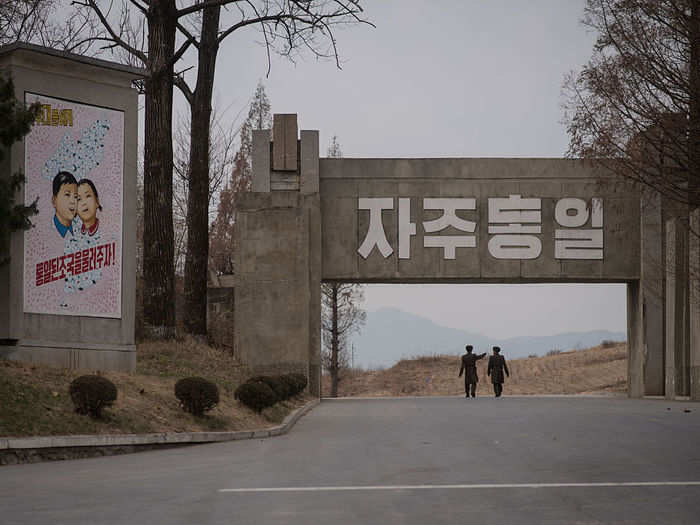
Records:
x=469, y=388
x=498, y=389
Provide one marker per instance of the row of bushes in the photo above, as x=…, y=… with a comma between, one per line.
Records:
x=91, y=393
x=260, y=392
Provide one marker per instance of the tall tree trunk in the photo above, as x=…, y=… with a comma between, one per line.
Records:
x=158, y=265
x=694, y=107
x=198, y=185
x=334, y=343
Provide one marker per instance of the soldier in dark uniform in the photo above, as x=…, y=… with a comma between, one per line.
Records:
x=497, y=364
x=469, y=368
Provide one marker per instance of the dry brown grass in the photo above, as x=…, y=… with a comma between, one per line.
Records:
x=584, y=371
x=35, y=398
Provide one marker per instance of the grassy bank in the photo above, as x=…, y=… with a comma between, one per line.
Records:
x=34, y=399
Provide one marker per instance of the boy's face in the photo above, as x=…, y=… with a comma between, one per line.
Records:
x=65, y=203
x=87, y=204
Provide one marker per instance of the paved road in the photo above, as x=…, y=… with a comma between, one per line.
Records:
x=409, y=461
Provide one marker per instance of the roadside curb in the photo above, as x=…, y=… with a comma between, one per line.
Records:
x=163, y=438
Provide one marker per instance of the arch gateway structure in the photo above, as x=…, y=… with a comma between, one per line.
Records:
x=469, y=220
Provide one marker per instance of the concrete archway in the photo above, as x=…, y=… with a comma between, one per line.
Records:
x=452, y=220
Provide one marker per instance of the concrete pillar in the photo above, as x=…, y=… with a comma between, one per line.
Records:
x=670, y=336
x=694, y=277
x=682, y=317
x=261, y=160
x=652, y=277
x=635, y=340
x=284, y=138
x=309, y=177
x=309, y=188
x=278, y=258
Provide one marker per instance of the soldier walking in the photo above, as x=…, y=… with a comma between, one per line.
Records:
x=469, y=368
x=497, y=364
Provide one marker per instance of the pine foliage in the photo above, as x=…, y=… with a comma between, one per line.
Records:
x=16, y=120
x=222, y=230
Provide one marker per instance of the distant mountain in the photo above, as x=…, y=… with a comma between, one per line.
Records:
x=390, y=335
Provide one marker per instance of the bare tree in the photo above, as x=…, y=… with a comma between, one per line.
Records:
x=156, y=51
x=635, y=106
x=286, y=26
x=222, y=152
x=341, y=315
x=200, y=101
x=45, y=22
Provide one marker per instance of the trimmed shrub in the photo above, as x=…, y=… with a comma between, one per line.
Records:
x=607, y=343
x=280, y=387
x=256, y=395
x=299, y=381
x=91, y=393
x=196, y=395
x=290, y=384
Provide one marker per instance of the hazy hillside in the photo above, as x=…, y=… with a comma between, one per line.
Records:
x=391, y=334
x=594, y=370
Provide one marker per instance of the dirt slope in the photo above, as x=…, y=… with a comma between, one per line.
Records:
x=583, y=371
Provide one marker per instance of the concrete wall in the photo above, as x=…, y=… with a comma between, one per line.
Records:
x=60, y=340
x=344, y=181
x=277, y=257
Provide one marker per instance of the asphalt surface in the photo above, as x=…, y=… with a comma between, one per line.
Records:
x=410, y=461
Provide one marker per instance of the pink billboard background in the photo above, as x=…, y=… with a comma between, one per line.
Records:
x=73, y=267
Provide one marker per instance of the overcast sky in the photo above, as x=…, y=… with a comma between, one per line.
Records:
x=448, y=78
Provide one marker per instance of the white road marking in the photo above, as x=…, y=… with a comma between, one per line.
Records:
x=470, y=486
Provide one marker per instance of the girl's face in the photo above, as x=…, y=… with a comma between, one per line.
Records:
x=87, y=204
x=64, y=202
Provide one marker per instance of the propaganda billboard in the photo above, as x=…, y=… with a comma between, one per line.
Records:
x=74, y=159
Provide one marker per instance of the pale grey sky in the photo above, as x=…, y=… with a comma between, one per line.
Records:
x=458, y=78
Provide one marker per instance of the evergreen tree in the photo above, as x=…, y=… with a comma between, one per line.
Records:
x=15, y=122
x=223, y=228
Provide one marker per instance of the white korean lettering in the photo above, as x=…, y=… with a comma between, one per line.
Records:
x=449, y=216
x=376, y=236
x=449, y=243
x=579, y=243
x=406, y=228
x=511, y=210
x=597, y=213
x=575, y=220
x=512, y=238
x=515, y=247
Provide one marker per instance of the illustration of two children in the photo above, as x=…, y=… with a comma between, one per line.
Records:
x=71, y=198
